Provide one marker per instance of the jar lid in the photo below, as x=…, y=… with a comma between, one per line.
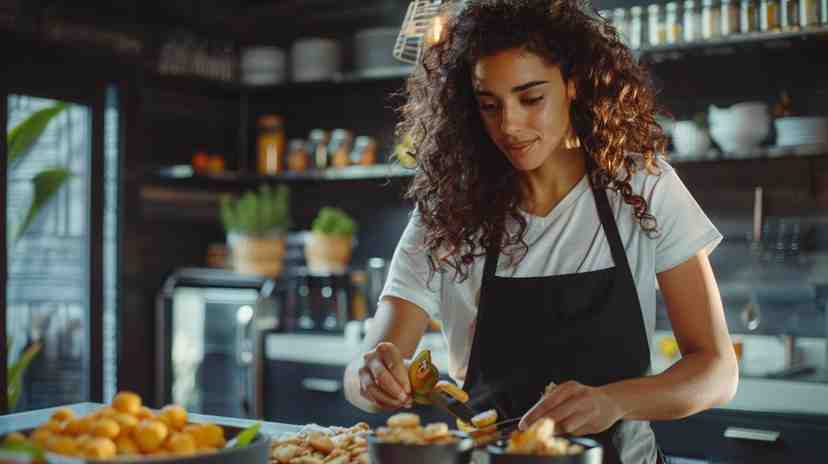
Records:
x=270, y=120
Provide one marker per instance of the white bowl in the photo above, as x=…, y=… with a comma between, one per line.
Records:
x=689, y=140
x=739, y=140
x=801, y=130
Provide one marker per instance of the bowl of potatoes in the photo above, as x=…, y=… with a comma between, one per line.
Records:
x=539, y=445
x=126, y=431
x=404, y=440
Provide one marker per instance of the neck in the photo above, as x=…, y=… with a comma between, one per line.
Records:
x=544, y=187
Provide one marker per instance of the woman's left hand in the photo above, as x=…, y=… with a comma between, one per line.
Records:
x=577, y=409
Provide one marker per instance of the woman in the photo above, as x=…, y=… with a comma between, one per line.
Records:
x=544, y=221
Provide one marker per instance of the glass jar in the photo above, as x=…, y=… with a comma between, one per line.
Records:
x=636, y=26
x=789, y=15
x=365, y=151
x=270, y=144
x=672, y=24
x=769, y=15
x=339, y=149
x=655, y=25
x=749, y=18
x=318, y=140
x=711, y=19
x=692, y=21
x=730, y=17
x=809, y=13
x=619, y=20
x=298, y=158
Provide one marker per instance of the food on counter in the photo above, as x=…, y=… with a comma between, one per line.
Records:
x=452, y=390
x=124, y=428
x=316, y=445
x=484, y=419
x=540, y=440
x=405, y=428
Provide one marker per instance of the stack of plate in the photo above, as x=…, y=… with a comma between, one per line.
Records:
x=315, y=59
x=263, y=66
x=805, y=130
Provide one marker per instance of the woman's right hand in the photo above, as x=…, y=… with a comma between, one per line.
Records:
x=383, y=378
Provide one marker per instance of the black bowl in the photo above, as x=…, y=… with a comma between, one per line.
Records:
x=592, y=454
x=398, y=453
x=256, y=452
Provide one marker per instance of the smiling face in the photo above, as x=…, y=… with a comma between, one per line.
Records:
x=524, y=103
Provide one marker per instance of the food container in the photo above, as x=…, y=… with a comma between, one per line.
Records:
x=398, y=453
x=263, y=66
x=315, y=59
x=256, y=452
x=593, y=454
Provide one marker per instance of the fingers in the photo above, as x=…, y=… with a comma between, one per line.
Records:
x=548, y=404
x=579, y=424
x=384, y=378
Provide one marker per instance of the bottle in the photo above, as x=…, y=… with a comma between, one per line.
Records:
x=789, y=15
x=365, y=151
x=749, y=17
x=318, y=140
x=809, y=13
x=730, y=17
x=619, y=20
x=711, y=19
x=271, y=144
x=655, y=25
x=692, y=21
x=672, y=24
x=298, y=159
x=636, y=27
x=769, y=15
x=339, y=148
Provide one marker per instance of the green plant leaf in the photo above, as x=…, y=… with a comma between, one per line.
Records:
x=256, y=212
x=333, y=221
x=15, y=374
x=247, y=435
x=22, y=136
x=46, y=185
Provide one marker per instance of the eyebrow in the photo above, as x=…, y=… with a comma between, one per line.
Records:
x=518, y=88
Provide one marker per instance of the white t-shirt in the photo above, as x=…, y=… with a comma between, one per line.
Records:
x=569, y=239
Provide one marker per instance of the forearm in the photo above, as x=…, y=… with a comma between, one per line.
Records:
x=698, y=381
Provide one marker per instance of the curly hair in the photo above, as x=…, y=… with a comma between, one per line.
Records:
x=465, y=190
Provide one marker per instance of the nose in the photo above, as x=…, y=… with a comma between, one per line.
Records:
x=512, y=120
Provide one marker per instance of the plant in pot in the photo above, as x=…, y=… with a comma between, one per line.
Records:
x=256, y=223
x=329, y=245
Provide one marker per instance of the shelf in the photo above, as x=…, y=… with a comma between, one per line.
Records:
x=727, y=44
x=184, y=173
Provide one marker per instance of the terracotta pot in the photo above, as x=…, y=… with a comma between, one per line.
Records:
x=258, y=255
x=328, y=254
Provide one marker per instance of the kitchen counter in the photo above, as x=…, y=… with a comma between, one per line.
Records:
x=31, y=419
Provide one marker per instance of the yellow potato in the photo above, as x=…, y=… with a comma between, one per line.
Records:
x=485, y=418
x=174, y=415
x=126, y=423
x=126, y=446
x=63, y=415
x=61, y=444
x=127, y=401
x=40, y=436
x=52, y=426
x=98, y=448
x=106, y=411
x=106, y=428
x=15, y=438
x=452, y=390
x=181, y=443
x=213, y=435
x=404, y=419
x=78, y=426
x=149, y=435
x=144, y=413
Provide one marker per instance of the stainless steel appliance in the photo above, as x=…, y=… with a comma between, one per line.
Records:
x=209, y=324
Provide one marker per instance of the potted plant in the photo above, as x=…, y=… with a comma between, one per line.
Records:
x=256, y=223
x=329, y=245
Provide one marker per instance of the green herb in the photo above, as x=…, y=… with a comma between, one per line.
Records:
x=333, y=221
x=257, y=213
x=247, y=435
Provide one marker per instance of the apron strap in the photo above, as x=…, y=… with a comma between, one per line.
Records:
x=619, y=255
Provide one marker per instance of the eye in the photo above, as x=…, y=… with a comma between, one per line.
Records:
x=532, y=101
x=487, y=107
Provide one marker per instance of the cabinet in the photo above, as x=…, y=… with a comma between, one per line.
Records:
x=302, y=393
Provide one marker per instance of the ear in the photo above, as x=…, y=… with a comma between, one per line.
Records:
x=571, y=92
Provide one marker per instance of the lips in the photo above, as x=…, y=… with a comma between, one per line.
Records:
x=520, y=146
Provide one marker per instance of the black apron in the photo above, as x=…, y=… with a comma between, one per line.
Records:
x=585, y=327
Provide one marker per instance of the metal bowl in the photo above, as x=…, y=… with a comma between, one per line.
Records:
x=592, y=454
x=398, y=453
x=256, y=452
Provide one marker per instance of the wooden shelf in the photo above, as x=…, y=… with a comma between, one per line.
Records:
x=184, y=174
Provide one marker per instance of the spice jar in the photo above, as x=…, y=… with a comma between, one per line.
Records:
x=655, y=25
x=692, y=21
x=636, y=26
x=730, y=17
x=769, y=15
x=619, y=20
x=318, y=140
x=789, y=15
x=298, y=158
x=672, y=24
x=270, y=144
x=749, y=18
x=809, y=12
x=339, y=149
x=365, y=151
x=711, y=19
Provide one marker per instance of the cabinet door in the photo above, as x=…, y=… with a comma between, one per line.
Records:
x=302, y=393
